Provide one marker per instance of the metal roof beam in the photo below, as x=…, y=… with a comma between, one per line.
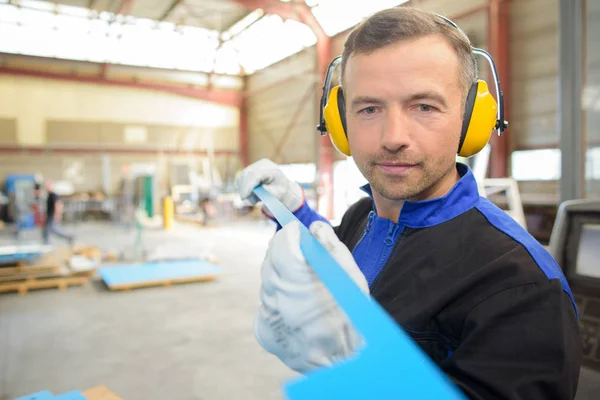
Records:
x=169, y=10
x=125, y=7
x=223, y=97
x=296, y=11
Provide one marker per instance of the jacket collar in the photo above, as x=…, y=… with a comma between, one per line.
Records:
x=463, y=196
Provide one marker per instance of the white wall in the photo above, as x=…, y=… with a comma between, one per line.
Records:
x=33, y=101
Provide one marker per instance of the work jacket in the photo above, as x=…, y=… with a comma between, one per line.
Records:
x=479, y=294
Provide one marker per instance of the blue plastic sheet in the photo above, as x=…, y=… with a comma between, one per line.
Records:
x=157, y=271
x=43, y=395
x=389, y=366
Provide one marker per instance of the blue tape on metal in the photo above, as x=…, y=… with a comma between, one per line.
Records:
x=389, y=365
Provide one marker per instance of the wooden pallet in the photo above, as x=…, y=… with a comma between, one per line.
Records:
x=23, y=286
x=166, y=282
x=58, y=273
x=28, y=269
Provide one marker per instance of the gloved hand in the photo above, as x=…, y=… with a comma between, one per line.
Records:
x=299, y=321
x=267, y=173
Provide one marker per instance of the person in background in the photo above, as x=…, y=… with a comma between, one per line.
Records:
x=54, y=210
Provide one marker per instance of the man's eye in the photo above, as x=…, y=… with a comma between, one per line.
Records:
x=425, y=108
x=369, y=110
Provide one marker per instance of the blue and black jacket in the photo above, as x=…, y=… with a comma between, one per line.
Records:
x=478, y=293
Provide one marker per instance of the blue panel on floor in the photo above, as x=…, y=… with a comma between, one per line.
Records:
x=157, y=271
x=43, y=395
x=74, y=395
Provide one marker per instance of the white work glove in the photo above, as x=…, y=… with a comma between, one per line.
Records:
x=267, y=173
x=299, y=321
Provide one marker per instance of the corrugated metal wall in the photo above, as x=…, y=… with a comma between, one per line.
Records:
x=282, y=110
x=534, y=73
x=591, y=98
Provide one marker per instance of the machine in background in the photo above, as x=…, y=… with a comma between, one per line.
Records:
x=575, y=245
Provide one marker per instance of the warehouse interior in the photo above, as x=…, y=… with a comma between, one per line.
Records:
x=139, y=115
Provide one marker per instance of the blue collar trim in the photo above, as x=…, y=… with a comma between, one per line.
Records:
x=425, y=213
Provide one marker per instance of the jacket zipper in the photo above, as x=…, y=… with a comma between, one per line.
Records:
x=369, y=222
x=385, y=253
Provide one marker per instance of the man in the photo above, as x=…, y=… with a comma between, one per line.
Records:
x=480, y=296
x=54, y=208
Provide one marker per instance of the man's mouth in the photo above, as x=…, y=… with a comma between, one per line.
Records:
x=395, y=168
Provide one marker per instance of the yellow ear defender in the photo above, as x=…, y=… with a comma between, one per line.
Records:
x=482, y=113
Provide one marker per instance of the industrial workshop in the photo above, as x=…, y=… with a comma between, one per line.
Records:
x=299, y=199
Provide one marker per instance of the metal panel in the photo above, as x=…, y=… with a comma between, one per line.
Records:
x=569, y=100
x=160, y=137
x=282, y=106
x=299, y=64
x=8, y=131
x=591, y=95
x=534, y=73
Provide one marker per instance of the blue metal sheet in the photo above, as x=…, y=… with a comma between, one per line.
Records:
x=157, y=271
x=389, y=365
x=43, y=395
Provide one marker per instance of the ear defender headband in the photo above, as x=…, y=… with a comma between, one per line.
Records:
x=482, y=116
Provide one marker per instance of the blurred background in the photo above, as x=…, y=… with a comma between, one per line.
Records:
x=127, y=122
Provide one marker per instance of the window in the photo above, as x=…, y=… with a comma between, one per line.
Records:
x=304, y=174
x=592, y=164
x=536, y=165
x=335, y=18
x=269, y=40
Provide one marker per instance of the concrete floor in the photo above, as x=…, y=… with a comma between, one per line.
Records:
x=192, y=341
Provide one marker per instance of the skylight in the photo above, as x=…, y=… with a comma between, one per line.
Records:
x=46, y=29
x=335, y=19
x=77, y=33
x=269, y=40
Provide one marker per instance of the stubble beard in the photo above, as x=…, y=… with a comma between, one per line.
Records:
x=409, y=187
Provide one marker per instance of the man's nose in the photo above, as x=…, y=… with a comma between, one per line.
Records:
x=395, y=134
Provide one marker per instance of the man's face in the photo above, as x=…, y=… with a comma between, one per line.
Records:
x=404, y=116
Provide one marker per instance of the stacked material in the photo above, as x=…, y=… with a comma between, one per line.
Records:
x=42, y=267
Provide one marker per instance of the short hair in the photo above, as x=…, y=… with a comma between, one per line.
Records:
x=388, y=27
